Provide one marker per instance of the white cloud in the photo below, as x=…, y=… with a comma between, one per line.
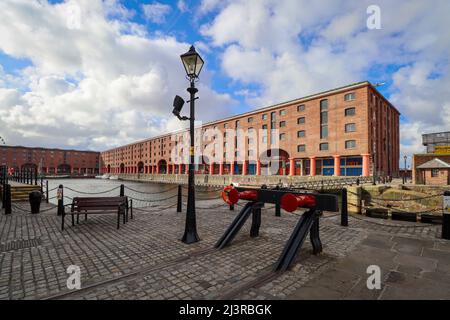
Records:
x=98, y=86
x=293, y=48
x=182, y=6
x=156, y=12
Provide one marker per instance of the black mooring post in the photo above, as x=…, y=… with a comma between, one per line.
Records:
x=60, y=196
x=46, y=191
x=277, y=209
x=122, y=190
x=256, y=222
x=231, y=207
x=179, y=198
x=8, y=199
x=446, y=218
x=35, y=178
x=344, y=208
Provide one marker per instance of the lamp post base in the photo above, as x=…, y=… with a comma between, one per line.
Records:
x=190, y=237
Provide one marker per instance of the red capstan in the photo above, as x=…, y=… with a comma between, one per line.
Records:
x=231, y=196
x=291, y=202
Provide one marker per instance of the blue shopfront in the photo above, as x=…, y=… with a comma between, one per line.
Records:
x=349, y=166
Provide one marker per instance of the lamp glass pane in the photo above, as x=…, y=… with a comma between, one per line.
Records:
x=190, y=64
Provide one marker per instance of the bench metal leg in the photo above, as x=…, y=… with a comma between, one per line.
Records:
x=85, y=217
x=73, y=219
x=78, y=218
x=118, y=220
x=124, y=217
x=62, y=221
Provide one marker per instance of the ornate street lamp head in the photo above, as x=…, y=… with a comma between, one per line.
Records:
x=192, y=63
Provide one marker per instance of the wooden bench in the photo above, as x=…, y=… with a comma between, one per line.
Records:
x=99, y=205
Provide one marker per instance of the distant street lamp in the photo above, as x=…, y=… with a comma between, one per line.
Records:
x=193, y=64
x=404, y=170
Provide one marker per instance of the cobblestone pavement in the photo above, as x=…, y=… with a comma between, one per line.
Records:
x=144, y=259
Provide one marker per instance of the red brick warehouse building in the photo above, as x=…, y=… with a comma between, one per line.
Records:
x=50, y=161
x=352, y=131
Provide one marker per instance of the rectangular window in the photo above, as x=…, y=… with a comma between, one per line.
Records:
x=301, y=148
x=282, y=124
x=264, y=139
x=323, y=132
x=264, y=126
x=251, y=130
x=301, y=120
x=323, y=146
x=350, y=144
x=282, y=112
x=350, y=127
x=301, y=108
x=250, y=120
x=349, y=96
x=251, y=152
x=350, y=112
x=324, y=105
x=301, y=134
x=225, y=125
x=282, y=136
x=434, y=172
x=264, y=116
x=250, y=141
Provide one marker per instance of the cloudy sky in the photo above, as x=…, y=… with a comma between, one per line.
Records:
x=91, y=74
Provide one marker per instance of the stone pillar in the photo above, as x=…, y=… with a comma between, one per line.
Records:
x=244, y=168
x=157, y=169
x=291, y=167
x=167, y=168
x=312, y=166
x=365, y=165
x=337, y=165
x=231, y=168
x=211, y=168
x=258, y=167
x=173, y=168
x=221, y=168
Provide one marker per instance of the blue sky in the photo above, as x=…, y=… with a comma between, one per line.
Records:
x=97, y=74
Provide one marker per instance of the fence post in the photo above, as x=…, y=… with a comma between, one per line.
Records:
x=344, y=208
x=8, y=199
x=46, y=191
x=179, y=199
x=446, y=216
x=277, y=209
x=60, y=197
x=122, y=190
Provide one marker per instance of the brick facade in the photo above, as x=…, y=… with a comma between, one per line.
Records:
x=51, y=161
x=373, y=134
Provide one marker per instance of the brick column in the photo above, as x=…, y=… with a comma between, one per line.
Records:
x=337, y=165
x=258, y=167
x=167, y=168
x=211, y=168
x=244, y=168
x=173, y=168
x=312, y=166
x=291, y=167
x=187, y=169
x=180, y=166
x=231, y=168
x=365, y=164
x=157, y=169
x=221, y=168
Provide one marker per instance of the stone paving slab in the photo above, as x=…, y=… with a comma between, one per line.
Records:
x=144, y=259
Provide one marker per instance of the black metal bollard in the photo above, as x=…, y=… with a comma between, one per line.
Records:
x=46, y=191
x=277, y=209
x=60, y=197
x=179, y=199
x=446, y=216
x=122, y=190
x=344, y=208
x=231, y=207
x=35, y=198
x=8, y=199
x=35, y=178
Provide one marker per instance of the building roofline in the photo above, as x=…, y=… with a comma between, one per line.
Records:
x=43, y=148
x=262, y=109
x=427, y=165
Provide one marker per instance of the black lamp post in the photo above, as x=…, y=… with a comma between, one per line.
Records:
x=193, y=64
x=404, y=170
